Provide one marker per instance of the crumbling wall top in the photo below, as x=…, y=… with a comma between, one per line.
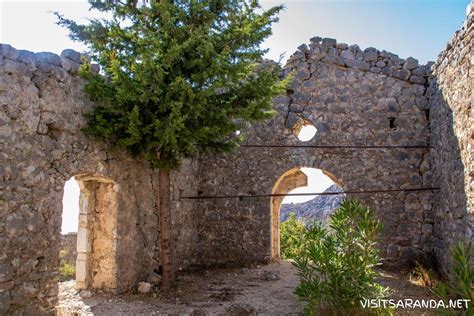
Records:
x=69, y=60
x=328, y=50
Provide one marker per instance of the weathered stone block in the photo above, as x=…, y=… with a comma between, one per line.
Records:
x=71, y=55
x=417, y=80
x=370, y=55
x=347, y=54
x=329, y=42
x=49, y=58
x=83, y=240
x=342, y=46
x=70, y=65
x=402, y=74
x=7, y=51
x=15, y=67
x=362, y=65
x=316, y=39
x=410, y=63
x=292, y=120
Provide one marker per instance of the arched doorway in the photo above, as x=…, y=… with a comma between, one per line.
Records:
x=307, y=207
x=95, y=263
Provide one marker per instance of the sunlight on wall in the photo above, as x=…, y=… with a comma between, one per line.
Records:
x=317, y=182
x=70, y=215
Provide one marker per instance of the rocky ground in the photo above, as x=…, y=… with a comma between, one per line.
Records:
x=263, y=290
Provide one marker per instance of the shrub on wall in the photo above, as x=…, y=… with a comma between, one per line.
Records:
x=336, y=265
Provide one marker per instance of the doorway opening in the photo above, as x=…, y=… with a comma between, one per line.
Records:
x=305, y=208
x=89, y=232
x=69, y=226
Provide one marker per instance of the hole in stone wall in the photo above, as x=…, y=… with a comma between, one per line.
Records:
x=306, y=208
x=391, y=122
x=306, y=132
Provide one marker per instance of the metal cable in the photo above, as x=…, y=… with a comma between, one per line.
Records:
x=202, y=197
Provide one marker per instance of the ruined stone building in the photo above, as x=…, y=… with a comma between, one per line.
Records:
x=421, y=116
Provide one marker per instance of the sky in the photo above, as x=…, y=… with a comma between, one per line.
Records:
x=70, y=221
x=317, y=182
x=417, y=28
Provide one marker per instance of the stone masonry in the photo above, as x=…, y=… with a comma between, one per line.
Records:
x=42, y=146
x=353, y=97
x=452, y=137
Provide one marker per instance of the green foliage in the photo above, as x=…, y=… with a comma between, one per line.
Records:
x=179, y=77
x=291, y=236
x=66, y=271
x=461, y=286
x=336, y=265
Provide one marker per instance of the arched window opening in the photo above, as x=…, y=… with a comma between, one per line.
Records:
x=311, y=208
x=306, y=208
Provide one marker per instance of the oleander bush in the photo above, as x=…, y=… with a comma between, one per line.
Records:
x=336, y=264
x=461, y=285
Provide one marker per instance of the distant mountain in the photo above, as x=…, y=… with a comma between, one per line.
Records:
x=318, y=208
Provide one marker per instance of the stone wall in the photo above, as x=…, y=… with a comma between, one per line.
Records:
x=42, y=146
x=353, y=97
x=452, y=136
x=182, y=213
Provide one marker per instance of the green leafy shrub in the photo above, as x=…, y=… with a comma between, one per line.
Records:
x=291, y=236
x=66, y=271
x=336, y=265
x=461, y=286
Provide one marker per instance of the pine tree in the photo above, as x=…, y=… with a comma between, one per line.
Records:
x=179, y=77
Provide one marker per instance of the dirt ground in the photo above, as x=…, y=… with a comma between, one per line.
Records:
x=263, y=290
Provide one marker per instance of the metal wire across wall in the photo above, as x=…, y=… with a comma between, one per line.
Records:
x=370, y=191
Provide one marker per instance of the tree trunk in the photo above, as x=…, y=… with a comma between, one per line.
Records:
x=165, y=230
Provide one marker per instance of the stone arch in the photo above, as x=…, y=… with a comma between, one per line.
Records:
x=288, y=181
